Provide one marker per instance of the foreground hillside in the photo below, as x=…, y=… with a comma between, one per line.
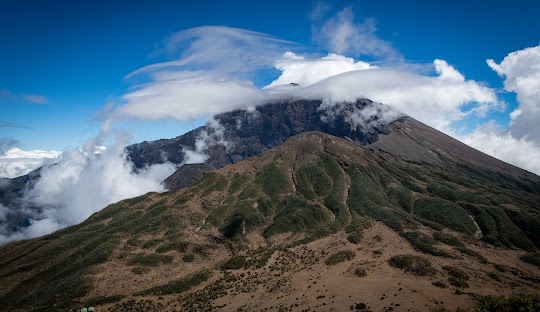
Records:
x=317, y=224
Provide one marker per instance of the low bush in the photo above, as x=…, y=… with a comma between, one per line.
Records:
x=188, y=257
x=234, y=263
x=517, y=302
x=458, y=282
x=340, y=256
x=150, y=260
x=448, y=239
x=360, y=272
x=472, y=253
x=178, y=286
x=532, y=258
x=455, y=272
x=415, y=265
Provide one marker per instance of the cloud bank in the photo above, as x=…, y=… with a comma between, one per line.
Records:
x=520, y=143
x=15, y=162
x=81, y=182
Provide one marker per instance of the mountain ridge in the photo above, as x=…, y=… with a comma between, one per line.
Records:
x=335, y=209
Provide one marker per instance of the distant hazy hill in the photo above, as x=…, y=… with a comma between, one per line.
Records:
x=411, y=220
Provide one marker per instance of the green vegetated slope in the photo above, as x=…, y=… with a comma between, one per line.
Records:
x=312, y=186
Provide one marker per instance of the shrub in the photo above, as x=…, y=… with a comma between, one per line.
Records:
x=440, y=284
x=150, y=260
x=472, y=253
x=423, y=243
x=455, y=272
x=234, y=263
x=360, y=272
x=188, y=257
x=517, y=302
x=416, y=265
x=494, y=276
x=446, y=213
x=340, y=256
x=448, y=239
x=458, y=282
x=532, y=258
x=178, y=286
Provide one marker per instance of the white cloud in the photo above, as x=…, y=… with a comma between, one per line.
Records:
x=435, y=100
x=296, y=69
x=520, y=143
x=502, y=145
x=16, y=162
x=84, y=181
x=188, y=98
x=342, y=34
x=521, y=70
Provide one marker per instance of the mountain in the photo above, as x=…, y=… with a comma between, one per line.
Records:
x=317, y=223
x=240, y=134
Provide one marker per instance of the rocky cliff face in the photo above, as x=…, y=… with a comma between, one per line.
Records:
x=245, y=133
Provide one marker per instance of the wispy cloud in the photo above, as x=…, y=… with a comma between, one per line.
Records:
x=12, y=125
x=344, y=33
x=40, y=99
x=6, y=95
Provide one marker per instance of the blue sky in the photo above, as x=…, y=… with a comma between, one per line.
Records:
x=75, y=54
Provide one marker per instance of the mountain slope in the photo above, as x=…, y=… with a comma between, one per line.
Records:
x=290, y=228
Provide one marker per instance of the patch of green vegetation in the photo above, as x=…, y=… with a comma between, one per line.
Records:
x=494, y=276
x=178, y=246
x=472, y=253
x=296, y=214
x=455, y=272
x=104, y=300
x=313, y=181
x=151, y=243
x=415, y=265
x=178, y=286
x=241, y=219
x=234, y=263
x=237, y=182
x=340, y=256
x=360, y=272
x=402, y=197
x=448, y=239
x=458, y=282
x=445, y=213
x=517, y=302
x=275, y=180
x=440, y=284
x=424, y=243
x=189, y=257
x=532, y=258
x=219, y=184
x=64, y=279
x=334, y=201
x=140, y=270
x=355, y=237
x=366, y=197
x=152, y=260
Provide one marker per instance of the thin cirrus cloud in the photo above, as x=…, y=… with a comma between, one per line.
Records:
x=341, y=34
x=7, y=95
